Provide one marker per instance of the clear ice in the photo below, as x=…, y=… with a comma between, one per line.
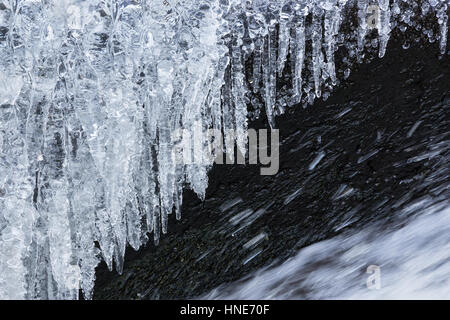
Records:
x=91, y=92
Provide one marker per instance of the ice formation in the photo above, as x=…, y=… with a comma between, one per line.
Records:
x=91, y=92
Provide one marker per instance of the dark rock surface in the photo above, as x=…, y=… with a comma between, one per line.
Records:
x=363, y=130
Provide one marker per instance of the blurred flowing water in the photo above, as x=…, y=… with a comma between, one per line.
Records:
x=414, y=263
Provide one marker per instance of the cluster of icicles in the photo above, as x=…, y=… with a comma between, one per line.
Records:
x=90, y=92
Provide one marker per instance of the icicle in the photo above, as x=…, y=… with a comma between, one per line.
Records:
x=317, y=49
x=362, y=18
x=385, y=26
x=283, y=37
x=270, y=60
x=299, y=54
x=442, y=17
x=238, y=89
x=257, y=63
x=332, y=24
x=228, y=114
x=269, y=69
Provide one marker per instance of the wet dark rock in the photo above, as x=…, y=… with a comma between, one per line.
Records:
x=365, y=130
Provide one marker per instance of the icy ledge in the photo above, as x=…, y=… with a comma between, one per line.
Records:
x=91, y=92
